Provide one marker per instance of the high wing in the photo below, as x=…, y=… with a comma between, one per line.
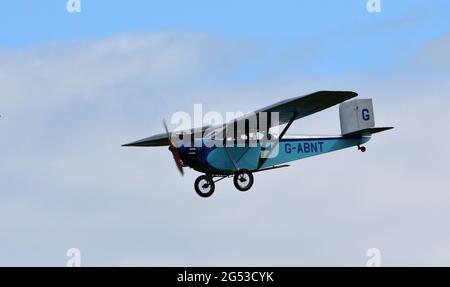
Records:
x=163, y=139
x=288, y=110
x=296, y=108
x=156, y=140
x=303, y=106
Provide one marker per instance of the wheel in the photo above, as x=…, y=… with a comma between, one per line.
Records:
x=362, y=148
x=204, y=186
x=243, y=180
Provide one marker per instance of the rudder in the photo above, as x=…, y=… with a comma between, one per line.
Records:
x=358, y=119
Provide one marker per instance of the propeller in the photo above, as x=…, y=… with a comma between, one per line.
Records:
x=173, y=149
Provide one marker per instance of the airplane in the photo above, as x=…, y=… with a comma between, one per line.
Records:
x=237, y=150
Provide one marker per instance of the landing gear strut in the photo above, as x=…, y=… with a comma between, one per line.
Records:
x=362, y=148
x=205, y=184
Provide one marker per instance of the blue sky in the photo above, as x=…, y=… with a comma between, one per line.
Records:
x=74, y=87
x=350, y=38
x=29, y=22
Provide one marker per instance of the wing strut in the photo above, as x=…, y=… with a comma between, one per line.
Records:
x=236, y=167
x=263, y=160
x=287, y=127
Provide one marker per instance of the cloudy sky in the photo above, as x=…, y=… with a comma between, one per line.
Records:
x=74, y=87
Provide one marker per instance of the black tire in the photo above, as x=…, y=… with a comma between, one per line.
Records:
x=202, y=183
x=363, y=149
x=243, y=176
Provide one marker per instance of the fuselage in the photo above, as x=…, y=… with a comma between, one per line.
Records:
x=206, y=158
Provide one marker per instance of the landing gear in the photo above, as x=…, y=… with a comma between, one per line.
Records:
x=243, y=180
x=362, y=148
x=204, y=186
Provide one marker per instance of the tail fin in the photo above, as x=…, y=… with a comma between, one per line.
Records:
x=357, y=118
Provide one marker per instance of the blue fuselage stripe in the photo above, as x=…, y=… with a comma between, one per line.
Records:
x=286, y=150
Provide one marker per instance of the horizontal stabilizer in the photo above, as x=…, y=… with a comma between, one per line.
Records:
x=367, y=132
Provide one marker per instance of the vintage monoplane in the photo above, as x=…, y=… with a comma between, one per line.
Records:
x=239, y=148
